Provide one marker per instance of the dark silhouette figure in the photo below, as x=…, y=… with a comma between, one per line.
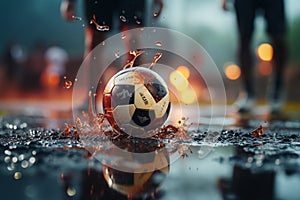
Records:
x=274, y=14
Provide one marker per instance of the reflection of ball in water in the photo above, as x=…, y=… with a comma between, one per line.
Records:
x=136, y=100
x=136, y=184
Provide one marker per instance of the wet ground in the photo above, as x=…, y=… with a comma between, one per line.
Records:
x=240, y=161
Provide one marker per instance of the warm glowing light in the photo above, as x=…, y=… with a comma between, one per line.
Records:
x=179, y=81
x=184, y=71
x=188, y=96
x=232, y=72
x=265, y=52
x=265, y=68
x=50, y=80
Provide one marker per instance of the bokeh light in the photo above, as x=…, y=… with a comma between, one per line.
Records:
x=264, y=68
x=188, y=96
x=184, y=71
x=179, y=81
x=232, y=71
x=265, y=52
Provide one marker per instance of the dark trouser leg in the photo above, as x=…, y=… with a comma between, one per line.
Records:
x=279, y=60
x=245, y=13
x=246, y=64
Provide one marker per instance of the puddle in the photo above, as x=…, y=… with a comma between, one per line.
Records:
x=237, y=165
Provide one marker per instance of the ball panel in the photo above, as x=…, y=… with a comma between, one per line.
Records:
x=123, y=114
x=157, y=90
x=161, y=107
x=129, y=78
x=141, y=117
x=142, y=98
x=122, y=95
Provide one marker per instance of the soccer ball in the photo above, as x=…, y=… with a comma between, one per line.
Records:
x=136, y=101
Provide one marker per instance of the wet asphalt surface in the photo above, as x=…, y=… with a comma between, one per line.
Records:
x=234, y=162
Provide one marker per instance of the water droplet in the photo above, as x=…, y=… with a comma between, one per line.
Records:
x=65, y=77
x=117, y=54
x=76, y=79
x=102, y=28
x=7, y=152
x=99, y=27
x=68, y=84
x=158, y=43
x=123, y=18
x=7, y=159
x=155, y=14
x=17, y=175
x=14, y=159
x=123, y=36
x=138, y=22
x=250, y=159
x=24, y=164
x=32, y=160
x=71, y=191
x=21, y=157
x=11, y=167
x=76, y=18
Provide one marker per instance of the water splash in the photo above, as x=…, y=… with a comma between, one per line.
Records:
x=99, y=27
x=76, y=18
x=158, y=43
x=136, y=54
x=117, y=54
x=68, y=84
x=155, y=59
x=123, y=36
x=123, y=18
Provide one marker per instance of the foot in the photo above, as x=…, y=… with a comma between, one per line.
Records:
x=244, y=104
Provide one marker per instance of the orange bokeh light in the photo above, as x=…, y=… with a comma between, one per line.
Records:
x=179, y=81
x=265, y=52
x=265, y=68
x=232, y=71
x=184, y=71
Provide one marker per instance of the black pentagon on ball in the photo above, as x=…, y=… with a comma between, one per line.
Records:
x=158, y=91
x=122, y=95
x=143, y=117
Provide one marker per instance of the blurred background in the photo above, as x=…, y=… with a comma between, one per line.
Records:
x=33, y=35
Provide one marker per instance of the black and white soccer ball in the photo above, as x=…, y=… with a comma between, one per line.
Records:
x=136, y=101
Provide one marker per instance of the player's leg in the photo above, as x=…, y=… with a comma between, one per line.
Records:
x=276, y=27
x=245, y=13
